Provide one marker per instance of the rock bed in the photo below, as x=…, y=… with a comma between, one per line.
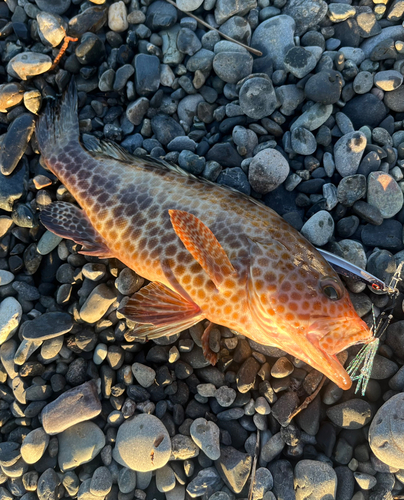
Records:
x=314, y=129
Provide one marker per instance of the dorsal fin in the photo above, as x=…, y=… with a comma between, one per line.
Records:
x=202, y=244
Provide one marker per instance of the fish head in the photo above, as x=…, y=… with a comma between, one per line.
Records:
x=299, y=304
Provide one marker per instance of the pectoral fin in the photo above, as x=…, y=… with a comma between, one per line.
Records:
x=160, y=311
x=68, y=221
x=202, y=244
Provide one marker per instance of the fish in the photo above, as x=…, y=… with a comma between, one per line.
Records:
x=209, y=252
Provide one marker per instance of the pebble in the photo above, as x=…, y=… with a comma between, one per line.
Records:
x=11, y=94
x=79, y=444
x=268, y=170
x=319, y=228
x=385, y=194
x=144, y=374
x=206, y=435
x=97, y=304
x=117, y=17
x=365, y=481
x=257, y=98
x=353, y=414
x=234, y=468
x=232, y=66
x=348, y=152
x=299, y=61
x=10, y=317
x=57, y=415
x=54, y=7
x=365, y=109
x=388, y=80
x=48, y=326
x=386, y=431
x=137, y=438
x=51, y=29
x=189, y=5
x=314, y=480
x=274, y=37
x=15, y=142
x=34, y=445
x=303, y=141
x=48, y=242
x=48, y=484
x=28, y=64
x=324, y=87
x=101, y=482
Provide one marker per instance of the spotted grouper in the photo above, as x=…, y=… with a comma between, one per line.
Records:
x=209, y=252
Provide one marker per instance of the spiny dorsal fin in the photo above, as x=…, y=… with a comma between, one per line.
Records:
x=202, y=244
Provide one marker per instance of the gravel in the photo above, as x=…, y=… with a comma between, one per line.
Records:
x=313, y=129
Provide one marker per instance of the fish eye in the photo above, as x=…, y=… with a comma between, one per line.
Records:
x=331, y=288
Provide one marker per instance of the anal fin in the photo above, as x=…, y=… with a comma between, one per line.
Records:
x=160, y=312
x=68, y=221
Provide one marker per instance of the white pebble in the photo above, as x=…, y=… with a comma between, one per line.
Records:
x=117, y=17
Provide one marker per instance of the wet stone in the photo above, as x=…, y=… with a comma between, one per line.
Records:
x=50, y=29
x=365, y=109
x=11, y=94
x=48, y=326
x=57, y=415
x=147, y=74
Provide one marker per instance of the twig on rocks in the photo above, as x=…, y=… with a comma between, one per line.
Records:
x=254, y=466
x=62, y=50
x=201, y=21
x=308, y=400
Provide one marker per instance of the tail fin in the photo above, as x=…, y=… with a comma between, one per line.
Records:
x=58, y=124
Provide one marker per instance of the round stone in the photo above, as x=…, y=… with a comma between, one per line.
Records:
x=363, y=82
x=53, y=6
x=385, y=194
x=299, y=61
x=314, y=480
x=142, y=443
x=303, y=141
x=232, y=66
x=10, y=317
x=386, y=432
x=79, y=444
x=34, y=445
x=367, y=109
x=206, y=436
x=348, y=153
x=324, y=87
x=117, y=18
x=50, y=29
x=188, y=5
x=268, y=170
x=352, y=414
x=388, y=80
x=257, y=98
x=29, y=64
x=48, y=242
x=319, y=228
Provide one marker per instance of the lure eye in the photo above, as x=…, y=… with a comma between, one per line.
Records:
x=331, y=288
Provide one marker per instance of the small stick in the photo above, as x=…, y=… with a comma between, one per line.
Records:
x=62, y=50
x=201, y=21
x=254, y=467
x=308, y=400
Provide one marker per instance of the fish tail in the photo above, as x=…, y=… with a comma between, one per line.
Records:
x=58, y=124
